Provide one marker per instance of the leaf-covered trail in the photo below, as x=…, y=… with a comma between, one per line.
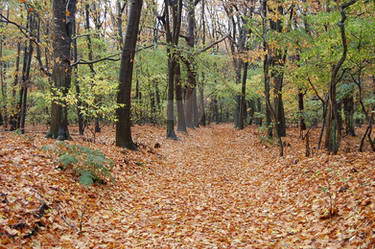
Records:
x=214, y=188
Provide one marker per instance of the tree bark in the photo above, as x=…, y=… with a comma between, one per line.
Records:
x=172, y=37
x=63, y=14
x=266, y=69
x=181, y=126
x=81, y=125
x=301, y=108
x=243, y=97
x=4, y=112
x=333, y=132
x=190, y=97
x=13, y=114
x=123, y=125
x=27, y=57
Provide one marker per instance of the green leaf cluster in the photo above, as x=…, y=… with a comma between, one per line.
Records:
x=91, y=165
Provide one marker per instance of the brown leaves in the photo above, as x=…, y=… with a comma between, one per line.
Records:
x=214, y=188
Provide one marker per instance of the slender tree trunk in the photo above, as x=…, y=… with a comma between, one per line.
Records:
x=266, y=65
x=28, y=53
x=301, y=108
x=13, y=114
x=349, y=114
x=4, y=112
x=203, y=112
x=243, y=97
x=81, y=125
x=201, y=86
x=91, y=57
x=119, y=23
x=251, y=105
x=123, y=126
x=333, y=133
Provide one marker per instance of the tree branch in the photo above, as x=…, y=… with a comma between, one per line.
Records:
x=211, y=45
x=316, y=92
x=108, y=58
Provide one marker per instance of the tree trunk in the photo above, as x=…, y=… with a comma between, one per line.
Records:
x=63, y=13
x=243, y=97
x=181, y=126
x=251, y=105
x=123, y=125
x=119, y=23
x=333, y=133
x=4, y=112
x=301, y=108
x=28, y=53
x=349, y=114
x=91, y=57
x=13, y=114
x=266, y=65
x=190, y=98
x=81, y=125
x=202, y=105
x=172, y=38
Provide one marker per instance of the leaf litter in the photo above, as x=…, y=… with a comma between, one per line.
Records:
x=215, y=187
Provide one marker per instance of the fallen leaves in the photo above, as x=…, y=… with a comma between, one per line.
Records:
x=216, y=187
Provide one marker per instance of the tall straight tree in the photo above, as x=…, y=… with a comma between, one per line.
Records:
x=172, y=33
x=63, y=15
x=123, y=125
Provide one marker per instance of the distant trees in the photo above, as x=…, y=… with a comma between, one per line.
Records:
x=269, y=62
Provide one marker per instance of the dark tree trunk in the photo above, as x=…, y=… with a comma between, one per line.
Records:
x=278, y=62
x=301, y=108
x=123, y=125
x=339, y=116
x=91, y=57
x=333, y=133
x=349, y=114
x=190, y=98
x=13, y=115
x=27, y=57
x=202, y=105
x=63, y=14
x=243, y=97
x=181, y=126
x=172, y=36
x=266, y=69
x=202, y=120
x=120, y=10
x=81, y=125
x=4, y=112
x=251, y=105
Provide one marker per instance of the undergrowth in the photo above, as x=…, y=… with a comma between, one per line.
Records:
x=91, y=165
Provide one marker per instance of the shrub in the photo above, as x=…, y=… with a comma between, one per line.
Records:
x=91, y=165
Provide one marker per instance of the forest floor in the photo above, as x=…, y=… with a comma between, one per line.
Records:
x=216, y=187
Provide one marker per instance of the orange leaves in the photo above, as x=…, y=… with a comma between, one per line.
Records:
x=214, y=188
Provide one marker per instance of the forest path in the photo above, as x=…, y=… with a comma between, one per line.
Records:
x=216, y=187
x=220, y=180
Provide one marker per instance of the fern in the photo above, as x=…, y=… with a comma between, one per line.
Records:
x=91, y=165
